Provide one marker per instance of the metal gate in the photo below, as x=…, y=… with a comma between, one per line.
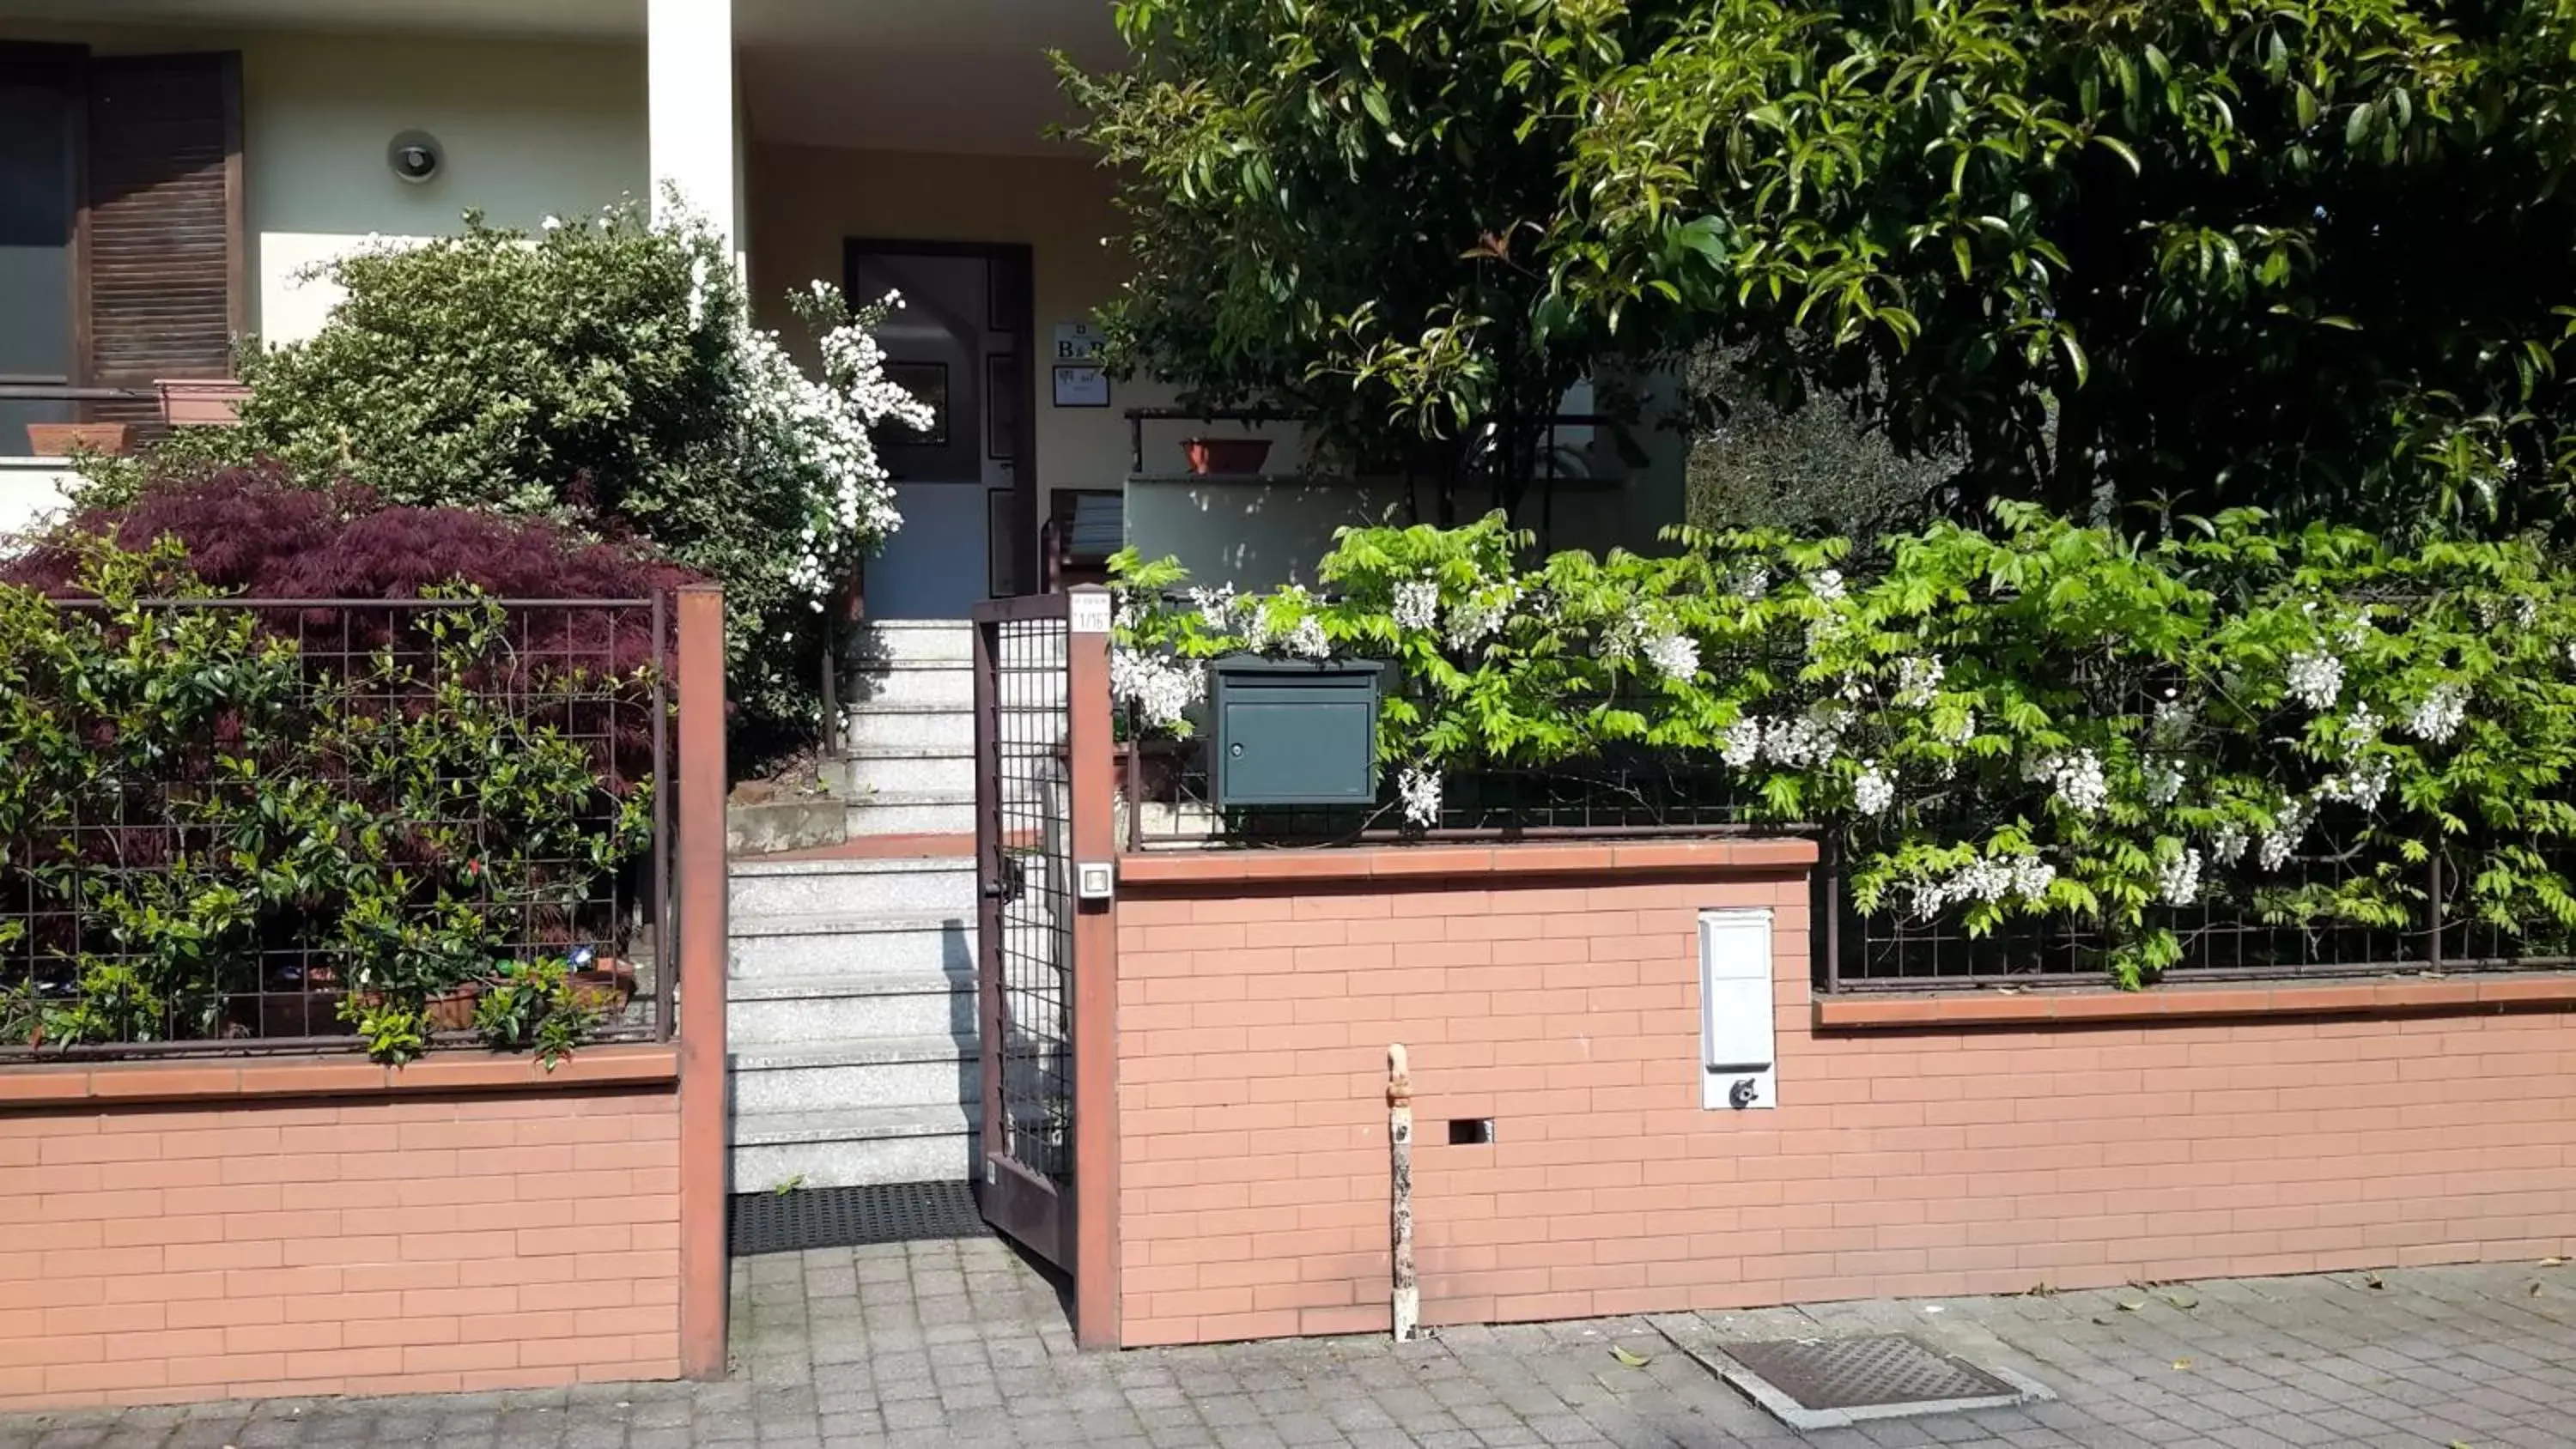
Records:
x=1024, y=796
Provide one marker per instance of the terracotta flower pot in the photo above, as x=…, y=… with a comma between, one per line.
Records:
x=1225, y=455
x=605, y=987
x=61, y=440
x=201, y=402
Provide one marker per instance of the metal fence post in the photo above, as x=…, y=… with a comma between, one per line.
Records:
x=705, y=1289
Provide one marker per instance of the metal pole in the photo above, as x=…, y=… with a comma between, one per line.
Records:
x=663, y=972
x=2433, y=866
x=1407, y=1299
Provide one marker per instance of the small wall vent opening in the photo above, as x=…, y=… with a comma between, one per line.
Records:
x=1471, y=1131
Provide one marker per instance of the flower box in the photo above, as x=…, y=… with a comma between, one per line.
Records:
x=61, y=440
x=201, y=402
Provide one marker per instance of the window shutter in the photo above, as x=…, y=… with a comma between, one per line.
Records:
x=162, y=235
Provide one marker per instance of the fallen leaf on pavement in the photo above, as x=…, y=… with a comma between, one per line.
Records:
x=2178, y=1298
x=2133, y=1307
x=1631, y=1360
x=2182, y=1364
x=2553, y=1262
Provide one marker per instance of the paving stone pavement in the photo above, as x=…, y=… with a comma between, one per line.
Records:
x=962, y=1344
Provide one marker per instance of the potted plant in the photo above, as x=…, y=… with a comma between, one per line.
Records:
x=1225, y=455
x=201, y=401
x=61, y=440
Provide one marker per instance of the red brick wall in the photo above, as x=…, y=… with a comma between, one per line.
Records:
x=392, y=1243
x=1254, y=1017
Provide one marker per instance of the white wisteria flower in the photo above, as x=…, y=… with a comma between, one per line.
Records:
x=1419, y=788
x=2178, y=878
x=2164, y=783
x=1743, y=743
x=1307, y=639
x=1826, y=584
x=2078, y=777
x=2289, y=827
x=1216, y=607
x=2363, y=787
x=1917, y=680
x=2316, y=679
x=1417, y=604
x=1481, y=615
x=2439, y=715
x=1160, y=687
x=1875, y=789
x=1675, y=655
x=1991, y=878
x=2227, y=843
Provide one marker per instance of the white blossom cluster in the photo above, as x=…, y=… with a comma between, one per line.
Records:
x=1804, y=741
x=2178, y=878
x=2363, y=787
x=1965, y=731
x=1992, y=878
x=2078, y=778
x=2316, y=679
x=1751, y=581
x=1417, y=604
x=2362, y=727
x=1875, y=789
x=2227, y=843
x=1481, y=615
x=1307, y=640
x=1216, y=607
x=1917, y=680
x=1419, y=788
x=1743, y=743
x=2438, y=717
x=818, y=433
x=1160, y=687
x=1826, y=584
x=1674, y=655
x=2164, y=783
x=2289, y=826
x=2172, y=723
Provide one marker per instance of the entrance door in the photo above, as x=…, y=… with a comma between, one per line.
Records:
x=961, y=343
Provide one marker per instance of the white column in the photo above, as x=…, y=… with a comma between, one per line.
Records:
x=689, y=73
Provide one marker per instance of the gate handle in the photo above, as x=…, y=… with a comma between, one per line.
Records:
x=1009, y=883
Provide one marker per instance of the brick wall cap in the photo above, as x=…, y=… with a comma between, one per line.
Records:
x=64, y=1084
x=1520, y=861
x=2443, y=996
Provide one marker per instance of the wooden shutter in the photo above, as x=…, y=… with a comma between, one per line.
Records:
x=162, y=239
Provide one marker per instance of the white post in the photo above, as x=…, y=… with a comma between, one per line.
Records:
x=1406, y=1298
x=689, y=75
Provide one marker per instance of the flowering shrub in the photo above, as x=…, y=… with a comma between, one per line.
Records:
x=605, y=373
x=2039, y=723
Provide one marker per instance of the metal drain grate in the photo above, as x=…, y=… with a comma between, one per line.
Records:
x=844, y=1217
x=1828, y=1383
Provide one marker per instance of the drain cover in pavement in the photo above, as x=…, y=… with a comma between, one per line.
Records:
x=1826, y=1383
x=843, y=1217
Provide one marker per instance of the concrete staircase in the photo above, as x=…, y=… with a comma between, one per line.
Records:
x=853, y=977
x=908, y=764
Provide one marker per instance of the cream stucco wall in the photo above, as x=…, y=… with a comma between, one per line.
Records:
x=529, y=128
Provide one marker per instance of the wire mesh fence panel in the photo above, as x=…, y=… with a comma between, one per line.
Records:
x=236, y=825
x=1029, y=730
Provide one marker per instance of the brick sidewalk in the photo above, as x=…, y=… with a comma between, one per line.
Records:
x=960, y=1344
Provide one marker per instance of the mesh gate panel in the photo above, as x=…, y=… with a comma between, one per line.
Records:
x=1031, y=736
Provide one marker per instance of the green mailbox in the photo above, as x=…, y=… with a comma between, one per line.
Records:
x=1294, y=731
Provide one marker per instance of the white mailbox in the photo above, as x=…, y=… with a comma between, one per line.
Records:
x=1738, y=1048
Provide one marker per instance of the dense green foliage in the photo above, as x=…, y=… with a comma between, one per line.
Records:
x=204, y=833
x=604, y=373
x=2297, y=255
x=2037, y=722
